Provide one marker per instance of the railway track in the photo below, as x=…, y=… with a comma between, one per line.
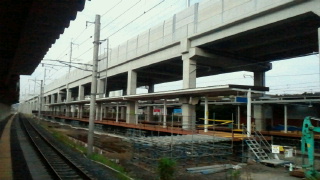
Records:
x=59, y=165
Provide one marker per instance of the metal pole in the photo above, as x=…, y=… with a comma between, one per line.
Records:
x=93, y=84
x=249, y=113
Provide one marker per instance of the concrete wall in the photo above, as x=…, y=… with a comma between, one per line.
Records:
x=5, y=111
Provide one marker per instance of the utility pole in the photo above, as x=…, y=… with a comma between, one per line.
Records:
x=188, y=3
x=96, y=43
x=106, y=81
x=40, y=100
x=70, y=57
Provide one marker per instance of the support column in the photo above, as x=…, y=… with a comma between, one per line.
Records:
x=58, y=97
x=130, y=118
x=188, y=114
x=122, y=112
x=72, y=108
x=258, y=109
x=131, y=89
x=258, y=112
x=189, y=72
x=238, y=116
x=206, y=114
x=101, y=87
x=69, y=95
x=189, y=81
x=165, y=113
x=81, y=110
x=249, y=113
x=150, y=113
x=117, y=113
x=81, y=93
x=132, y=82
x=285, y=119
x=52, y=99
x=98, y=112
x=259, y=78
x=67, y=110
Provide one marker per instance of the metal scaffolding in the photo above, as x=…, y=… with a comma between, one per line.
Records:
x=185, y=149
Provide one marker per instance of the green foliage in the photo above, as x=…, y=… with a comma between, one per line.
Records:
x=234, y=174
x=166, y=168
x=102, y=159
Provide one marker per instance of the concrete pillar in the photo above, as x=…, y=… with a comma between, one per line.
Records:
x=258, y=109
x=58, y=97
x=72, y=109
x=285, y=119
x=150, y=88
x=165, y=113
x=69, y=95
x=81, y=93
x=189, y=72
x=67, y=110
x=188, y=114
x=131, y=89
x=132, y=82
x=150, y=113
x=117, y=113
x=259, y=78
x=52, y=99
x=189, y=75
x=98, y=112
x=258, y=113
x=249, y=113
x=81, y=110
x=130, y=118
x=238, y=116
x=122, y=112
x=101, y=87
x=206, y=114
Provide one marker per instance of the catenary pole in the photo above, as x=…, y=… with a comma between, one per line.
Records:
x=96, y=43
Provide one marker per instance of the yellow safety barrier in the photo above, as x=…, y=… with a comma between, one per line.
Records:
x=217, y=120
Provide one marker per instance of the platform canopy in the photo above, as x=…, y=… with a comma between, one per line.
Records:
x=27, y=30
x=213, y=91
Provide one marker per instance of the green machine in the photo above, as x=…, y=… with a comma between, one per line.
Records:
x=307, y=144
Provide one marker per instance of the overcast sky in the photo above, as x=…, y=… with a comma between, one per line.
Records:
x=123, y=19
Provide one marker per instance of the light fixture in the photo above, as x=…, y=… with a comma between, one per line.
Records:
x=310, y=105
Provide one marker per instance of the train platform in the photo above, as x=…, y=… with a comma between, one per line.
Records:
x=5, y=151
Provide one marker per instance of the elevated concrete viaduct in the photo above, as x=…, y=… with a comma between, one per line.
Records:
x=209, y=38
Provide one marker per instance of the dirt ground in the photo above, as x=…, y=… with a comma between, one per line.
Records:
x=116, y=148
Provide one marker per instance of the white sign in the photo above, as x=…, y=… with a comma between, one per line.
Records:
x=275, y=149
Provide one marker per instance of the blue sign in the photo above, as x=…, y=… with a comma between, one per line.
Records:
x=177, y=111
x=242, y=99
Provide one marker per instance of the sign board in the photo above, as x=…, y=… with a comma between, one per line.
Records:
x=275, y=149
x=242, y=99
x=156, y=110
x=177, y=111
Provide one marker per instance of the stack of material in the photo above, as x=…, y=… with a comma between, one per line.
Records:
x=210, y=169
